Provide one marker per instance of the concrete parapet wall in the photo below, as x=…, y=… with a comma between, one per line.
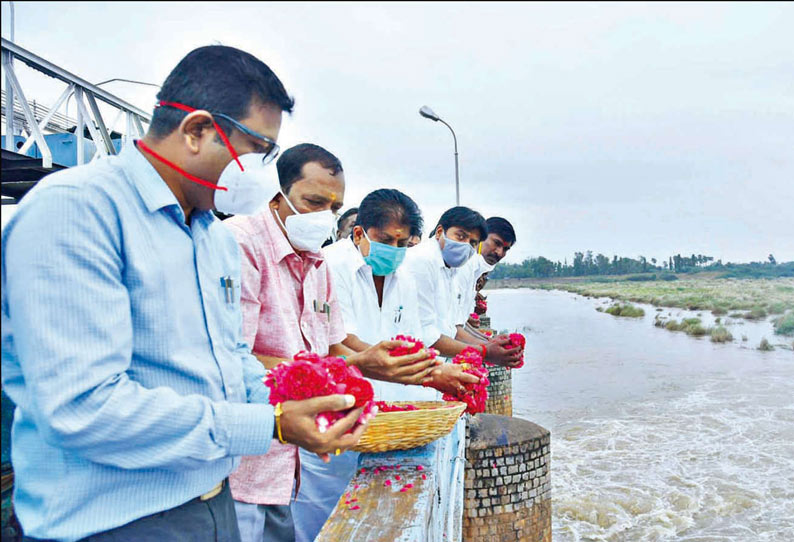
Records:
x=507, y=487
x=383, y=507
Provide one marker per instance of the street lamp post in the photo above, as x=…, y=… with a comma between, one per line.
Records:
x=428, y=113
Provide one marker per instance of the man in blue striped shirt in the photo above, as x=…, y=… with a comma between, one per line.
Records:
x=121, y=324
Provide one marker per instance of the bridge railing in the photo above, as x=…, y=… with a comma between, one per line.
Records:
x=86, y=96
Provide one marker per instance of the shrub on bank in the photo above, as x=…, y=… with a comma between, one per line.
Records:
x=756, y=313
x=626, y=310
x=721, y=335
x=784, y=325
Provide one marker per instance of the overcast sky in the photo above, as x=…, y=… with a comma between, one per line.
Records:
x=620, y=128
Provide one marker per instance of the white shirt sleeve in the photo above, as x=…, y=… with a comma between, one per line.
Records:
x=426, y=285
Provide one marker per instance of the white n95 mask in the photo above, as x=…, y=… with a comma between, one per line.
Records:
x=307, y=231
x=247, y=189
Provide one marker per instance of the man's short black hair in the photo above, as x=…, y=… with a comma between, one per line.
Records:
x=346, y=215
x=290, y=164
x=386, y=205
x=218, y=79
x=462, y=217
x=502, y=228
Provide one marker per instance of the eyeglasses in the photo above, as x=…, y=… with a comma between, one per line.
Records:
x=272, y=149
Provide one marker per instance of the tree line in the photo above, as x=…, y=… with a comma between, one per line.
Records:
x=585, y=264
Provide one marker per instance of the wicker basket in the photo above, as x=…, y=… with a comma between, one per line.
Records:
x=407, y=429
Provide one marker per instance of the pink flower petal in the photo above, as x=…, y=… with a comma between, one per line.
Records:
x=356, y=507
x=387, y=483
x=420, y=467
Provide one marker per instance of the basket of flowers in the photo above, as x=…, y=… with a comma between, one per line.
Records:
x=402, y=425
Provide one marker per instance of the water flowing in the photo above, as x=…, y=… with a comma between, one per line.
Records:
x=656, y=435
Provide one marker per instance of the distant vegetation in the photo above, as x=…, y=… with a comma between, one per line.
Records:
x=739, y=298
x=585, y=264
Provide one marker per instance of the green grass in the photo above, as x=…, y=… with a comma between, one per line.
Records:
x=721, y=335
x=784, y=325
x=627, y=310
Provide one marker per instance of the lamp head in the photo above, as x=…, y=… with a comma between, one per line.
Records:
x=427, y=113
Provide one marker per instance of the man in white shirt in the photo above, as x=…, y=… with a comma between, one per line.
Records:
x=501, y=238
x=377, y=295
x=378, y=301
x=433, y=265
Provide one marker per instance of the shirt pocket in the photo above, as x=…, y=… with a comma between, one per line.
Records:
x=228, y=292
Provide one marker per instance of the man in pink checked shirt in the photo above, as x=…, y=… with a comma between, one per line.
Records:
x=289, y=305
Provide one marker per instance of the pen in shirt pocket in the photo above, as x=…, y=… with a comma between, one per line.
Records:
x=228, y=289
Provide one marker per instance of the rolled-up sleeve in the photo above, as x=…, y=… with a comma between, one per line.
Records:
x=71, y=314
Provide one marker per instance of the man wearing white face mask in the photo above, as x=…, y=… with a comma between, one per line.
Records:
x=433, y=265
x=289, y=305
x=121, y=322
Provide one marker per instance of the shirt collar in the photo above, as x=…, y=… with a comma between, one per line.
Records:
x=435, y=252
x=356, y=259
x=279, y=246
x=151, y=187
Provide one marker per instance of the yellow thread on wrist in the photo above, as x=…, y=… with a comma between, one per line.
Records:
x=278, y=412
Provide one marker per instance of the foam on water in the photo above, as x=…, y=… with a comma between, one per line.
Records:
x=710, y=462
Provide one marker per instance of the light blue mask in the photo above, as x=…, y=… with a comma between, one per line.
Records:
x=383, y=259
x=456, y=253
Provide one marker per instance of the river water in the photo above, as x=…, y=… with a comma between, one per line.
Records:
x=656, y=435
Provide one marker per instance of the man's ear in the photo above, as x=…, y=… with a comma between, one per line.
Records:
x=196, y=127
x=439, y=231
x=358, y=234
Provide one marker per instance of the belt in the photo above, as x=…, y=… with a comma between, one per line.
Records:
x=213, y=492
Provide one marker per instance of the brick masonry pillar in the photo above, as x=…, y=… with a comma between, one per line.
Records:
x=507, y=488
x=500, y=392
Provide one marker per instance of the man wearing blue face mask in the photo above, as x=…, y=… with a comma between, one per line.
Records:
x=433, y=265
x=377, y=294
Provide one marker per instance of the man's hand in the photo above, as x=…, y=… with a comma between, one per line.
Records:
x=449, y=378
x=496, y=352
x=375, y=362
x=298, y=425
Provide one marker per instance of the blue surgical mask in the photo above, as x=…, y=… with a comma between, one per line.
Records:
x=456, y=253
x=383, y=259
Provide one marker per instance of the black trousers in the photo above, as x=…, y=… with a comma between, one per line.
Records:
x=213, y=520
